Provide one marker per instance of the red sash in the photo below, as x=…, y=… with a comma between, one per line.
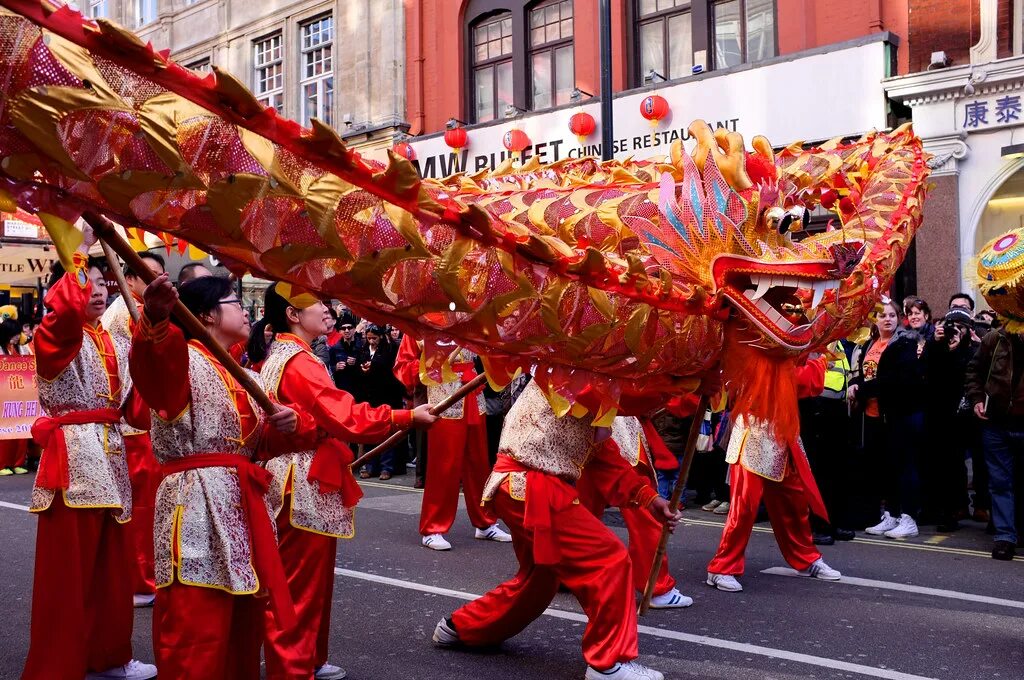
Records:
x=546, y=495
x=330, y=469
x=48, y=433
x=253, y=482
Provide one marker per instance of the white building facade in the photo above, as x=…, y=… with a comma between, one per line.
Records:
x=972, y=118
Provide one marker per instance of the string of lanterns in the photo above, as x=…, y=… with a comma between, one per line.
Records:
x=653, y=108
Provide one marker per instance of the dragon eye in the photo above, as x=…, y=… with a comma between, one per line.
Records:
x=774, y=218
x=796, y=218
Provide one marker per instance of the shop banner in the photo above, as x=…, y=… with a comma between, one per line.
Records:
x=813, y=97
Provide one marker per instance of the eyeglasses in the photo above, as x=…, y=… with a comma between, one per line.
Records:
x=235, y=301
x=348, y=328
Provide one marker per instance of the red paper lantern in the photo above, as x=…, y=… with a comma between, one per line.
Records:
x=515, y=140
x=582, y=125
x=456, y=138
x=405, y=150
x=654, y=108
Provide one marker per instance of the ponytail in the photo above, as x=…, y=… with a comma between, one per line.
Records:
x=257, y=348
x=275, y=316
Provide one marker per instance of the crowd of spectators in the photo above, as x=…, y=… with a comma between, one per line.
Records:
x=921, y=424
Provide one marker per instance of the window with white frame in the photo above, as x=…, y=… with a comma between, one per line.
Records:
x=268, y=71
x=201, y=66
x=145, y=12
x=316, y=78
x=97, y=9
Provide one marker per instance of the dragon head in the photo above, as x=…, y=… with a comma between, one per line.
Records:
x=734, y=225
x=1000, y=272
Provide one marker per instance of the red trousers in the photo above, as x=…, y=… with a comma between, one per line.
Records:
x=82, y=612
x=644, y=536
x=594, y=566
x=456, y=452
x=144, y=471
x=309, y=566
x=786, y=502
x=13, y=452
x=204, y=633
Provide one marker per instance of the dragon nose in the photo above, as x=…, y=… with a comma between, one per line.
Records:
x=846, y=256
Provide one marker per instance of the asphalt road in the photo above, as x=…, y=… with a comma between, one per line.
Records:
x=930, y=607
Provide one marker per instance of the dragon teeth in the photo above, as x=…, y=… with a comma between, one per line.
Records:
x=819, y=292
x=763, y=284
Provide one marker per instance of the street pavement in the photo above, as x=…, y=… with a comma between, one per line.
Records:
x=936, y=606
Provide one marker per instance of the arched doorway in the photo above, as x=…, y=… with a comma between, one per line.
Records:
x=1003, y=211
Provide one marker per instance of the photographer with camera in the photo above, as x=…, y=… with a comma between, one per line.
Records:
x=947, y=355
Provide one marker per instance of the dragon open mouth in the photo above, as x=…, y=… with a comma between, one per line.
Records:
x=783, y=299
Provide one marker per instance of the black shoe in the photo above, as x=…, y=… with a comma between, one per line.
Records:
x=823, y=539
x=845, y=534
x=1003, y=550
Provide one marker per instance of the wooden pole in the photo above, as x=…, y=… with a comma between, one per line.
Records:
x=122, y=284
x=437, y=410
x=105, y=230
x=677, y=494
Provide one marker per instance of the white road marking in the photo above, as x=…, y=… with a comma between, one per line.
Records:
x=13, y=506
x=920, y=590
x=739, y=647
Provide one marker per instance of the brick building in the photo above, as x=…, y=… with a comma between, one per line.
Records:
x=755, y=66
x=968, y=108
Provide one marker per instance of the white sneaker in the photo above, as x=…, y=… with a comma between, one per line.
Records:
x=906, y=527
x=673, y=599
x=819, y=569
x=724, y=582
x=133, y=670
x=630, y=670
x=721, y=508
x=436, y=542
x=888, y=523
x=494, y=533
x=143, y=599
x=329, y=672
x=445, y=635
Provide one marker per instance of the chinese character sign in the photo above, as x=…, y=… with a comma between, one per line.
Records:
x=995, y=112
x=19, y=396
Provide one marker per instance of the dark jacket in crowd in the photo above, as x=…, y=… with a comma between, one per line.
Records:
x=350, y=377
x=899, y=384
x=946, y=371
x=321, y=350
x=902, y=382
x=994, y=379
x=378, y=385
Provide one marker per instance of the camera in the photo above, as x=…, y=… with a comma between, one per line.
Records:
x=950, y=331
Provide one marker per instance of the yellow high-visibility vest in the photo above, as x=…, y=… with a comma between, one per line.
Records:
x=836, y=373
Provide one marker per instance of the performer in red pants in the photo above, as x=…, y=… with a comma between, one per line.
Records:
x=456, y=450
x=765, y=468
x=557, y=540
x=143, y=469
x=313, y=492
x=215, y=549
x=631, y=440
x=81, y=596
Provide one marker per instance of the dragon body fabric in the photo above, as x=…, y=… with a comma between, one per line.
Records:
x=602, y=277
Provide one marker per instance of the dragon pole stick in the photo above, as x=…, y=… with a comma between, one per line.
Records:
x=436, y=410
x=105, y=230
x=122, y=284
x=677, y=493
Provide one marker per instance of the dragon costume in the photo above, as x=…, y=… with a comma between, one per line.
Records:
x=602, y=277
